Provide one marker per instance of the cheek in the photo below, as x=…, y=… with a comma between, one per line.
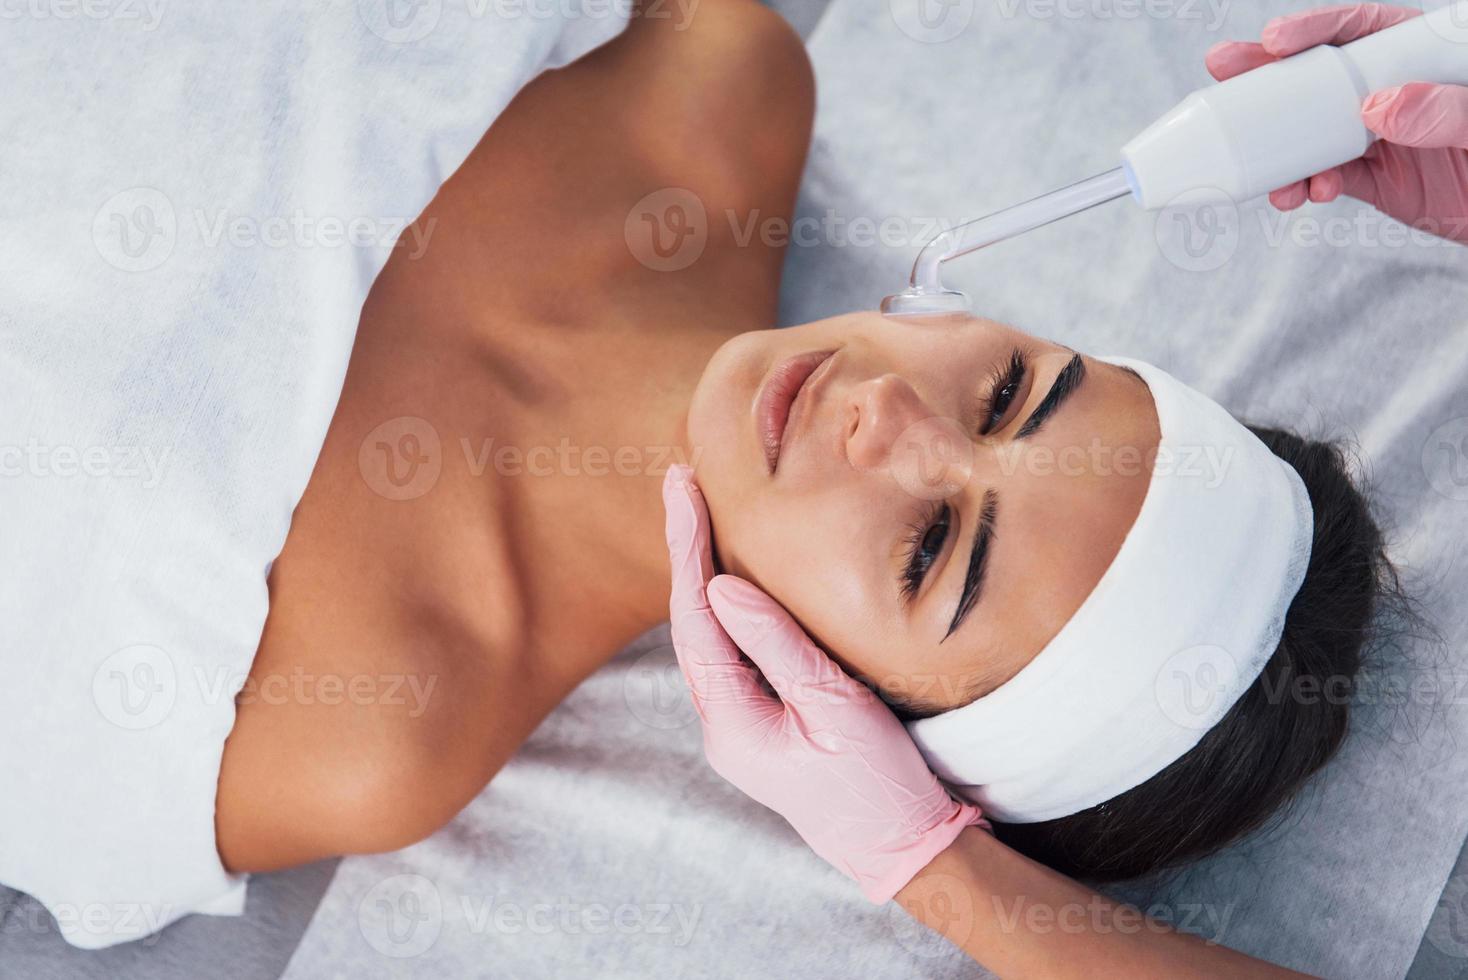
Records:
x=712, y=434
x=806, y=561
x=756, y=541
x=715, y=448
x=721, y=401
x=830, y=608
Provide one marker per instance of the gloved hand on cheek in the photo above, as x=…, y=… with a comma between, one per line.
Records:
x=812, y=743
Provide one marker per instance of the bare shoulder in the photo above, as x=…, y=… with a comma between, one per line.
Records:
x=370, y=717
x=713, y=98
x=695, y=75
x=328, y=757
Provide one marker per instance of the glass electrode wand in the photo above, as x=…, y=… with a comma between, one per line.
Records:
x=925, y=293
x=1228, y=142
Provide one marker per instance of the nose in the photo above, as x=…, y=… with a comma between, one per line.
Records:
x=878, y=412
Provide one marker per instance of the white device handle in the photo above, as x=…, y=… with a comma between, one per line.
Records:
x=1280, y=123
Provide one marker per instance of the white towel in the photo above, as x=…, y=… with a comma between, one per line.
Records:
x=194, y=201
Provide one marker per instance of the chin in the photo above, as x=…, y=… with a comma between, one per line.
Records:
x=719, y=411
x=721, y=433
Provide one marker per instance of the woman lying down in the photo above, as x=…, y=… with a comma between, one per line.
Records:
x=1079, y=586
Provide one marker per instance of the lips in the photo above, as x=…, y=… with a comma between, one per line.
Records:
x=777, y=398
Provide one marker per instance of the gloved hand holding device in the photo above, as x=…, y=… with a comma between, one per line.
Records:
x=1417, y=172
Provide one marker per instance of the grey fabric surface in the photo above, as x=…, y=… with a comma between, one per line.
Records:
x=803, y=15
x=256, y=945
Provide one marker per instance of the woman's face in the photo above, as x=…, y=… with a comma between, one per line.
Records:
x=945, y=494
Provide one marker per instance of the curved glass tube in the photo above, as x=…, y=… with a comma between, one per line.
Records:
x=925, y=293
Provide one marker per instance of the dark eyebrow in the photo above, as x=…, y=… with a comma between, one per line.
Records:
x=973, y=579
x=1066, y=382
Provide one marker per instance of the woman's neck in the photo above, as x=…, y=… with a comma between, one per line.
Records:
x=555, y=434
x=592, y=528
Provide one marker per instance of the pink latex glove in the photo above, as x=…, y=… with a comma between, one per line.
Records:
x=814, y=745
x=1418, y=171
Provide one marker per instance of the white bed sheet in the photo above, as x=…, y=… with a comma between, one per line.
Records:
x=609, y=805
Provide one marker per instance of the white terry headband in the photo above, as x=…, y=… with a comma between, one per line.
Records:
x=1179, y=626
